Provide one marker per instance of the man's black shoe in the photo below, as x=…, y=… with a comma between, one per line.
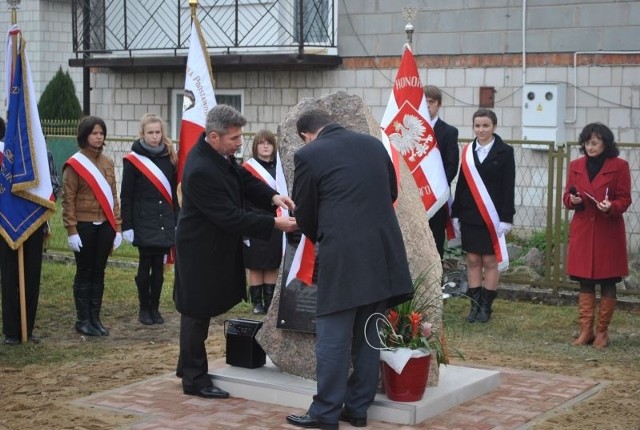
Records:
x=208, y=393
x=34, y=339
x=356, y=422
x=10, y=340
x=308, y=422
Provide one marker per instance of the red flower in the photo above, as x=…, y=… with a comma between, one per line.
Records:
x=414, y=319
x=394, y=318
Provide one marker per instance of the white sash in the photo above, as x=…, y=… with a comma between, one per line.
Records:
x=90, y=173
x=485, y=206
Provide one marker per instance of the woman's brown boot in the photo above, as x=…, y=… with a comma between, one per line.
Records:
x=587, y=310
x=605, y=313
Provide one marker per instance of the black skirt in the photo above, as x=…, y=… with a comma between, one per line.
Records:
x=263, y=254
x=476, y=239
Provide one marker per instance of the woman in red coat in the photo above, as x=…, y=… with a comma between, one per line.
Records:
x=598, y=189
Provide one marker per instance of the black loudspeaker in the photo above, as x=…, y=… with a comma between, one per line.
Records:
x=242, y=348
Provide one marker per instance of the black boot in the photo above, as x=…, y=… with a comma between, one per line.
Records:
x=255, y=291
x=268, y=291
x=144, y=312
x=155, y=291
x=96, y=306
x=475, y=294
x=485, y=306
x=83, y=302
x=144, y=315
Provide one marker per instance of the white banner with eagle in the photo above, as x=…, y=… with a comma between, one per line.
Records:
x=407, y=132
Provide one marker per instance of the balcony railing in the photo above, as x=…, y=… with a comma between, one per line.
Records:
x=148, y=27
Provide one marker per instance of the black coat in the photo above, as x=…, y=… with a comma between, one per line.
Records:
x=143, y=208
x=498, y=173
x=447, y=139
x=344, y=189
x=209, y=272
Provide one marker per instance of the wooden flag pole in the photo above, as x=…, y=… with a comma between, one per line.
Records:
x=14, y=5
x=23, y=298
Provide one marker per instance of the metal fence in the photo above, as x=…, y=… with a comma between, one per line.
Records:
x=540, y=179
x=116, y=27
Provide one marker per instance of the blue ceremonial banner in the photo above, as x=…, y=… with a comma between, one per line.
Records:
x=25, y=183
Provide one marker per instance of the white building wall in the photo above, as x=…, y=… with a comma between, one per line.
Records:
x=607, y=94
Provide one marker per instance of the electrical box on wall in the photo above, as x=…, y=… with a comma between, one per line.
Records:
x=543, y=113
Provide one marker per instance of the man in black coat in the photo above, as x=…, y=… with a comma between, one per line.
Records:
x=447, y=140
x=344, y=188
x=209, y=271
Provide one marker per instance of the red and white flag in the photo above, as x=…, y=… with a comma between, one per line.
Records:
x=406, y=133
x=304, y=261
x=199, y=96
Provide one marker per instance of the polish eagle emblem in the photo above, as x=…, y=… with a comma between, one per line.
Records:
x=408, y=137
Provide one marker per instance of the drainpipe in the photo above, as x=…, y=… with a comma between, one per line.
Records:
x=524, y=42
x=575, y=77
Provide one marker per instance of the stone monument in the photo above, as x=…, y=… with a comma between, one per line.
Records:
x=294, y=352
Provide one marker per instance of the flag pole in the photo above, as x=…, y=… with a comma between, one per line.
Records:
x=14, y=5
x=194, y=6
x=409, y=14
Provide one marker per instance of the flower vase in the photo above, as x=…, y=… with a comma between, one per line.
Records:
x=410, y=384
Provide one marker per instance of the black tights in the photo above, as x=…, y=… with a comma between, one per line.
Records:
x=607, y=289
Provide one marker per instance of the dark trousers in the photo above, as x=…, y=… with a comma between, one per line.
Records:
x=192, y=363
x=149, y=279
x=32, y=250
x=97, y=242
x=339, y=339
x=437, y=224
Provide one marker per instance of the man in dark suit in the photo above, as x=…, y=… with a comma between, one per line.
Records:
x=447, y=140
x=209, y=272
x=344, y=188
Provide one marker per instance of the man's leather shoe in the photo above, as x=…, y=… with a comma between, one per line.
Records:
x=308, y=422
x=208, y=393
x=354, y=421
x=10, y=340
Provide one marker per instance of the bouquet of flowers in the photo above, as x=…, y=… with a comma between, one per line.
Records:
x=404, y=331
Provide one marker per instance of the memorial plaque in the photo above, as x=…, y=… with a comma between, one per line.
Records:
x=297, y=307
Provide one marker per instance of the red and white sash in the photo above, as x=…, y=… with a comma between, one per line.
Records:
x=485, y=206
x=278, y=183
x=90, y=173
x=303, y=263
x=152, y=173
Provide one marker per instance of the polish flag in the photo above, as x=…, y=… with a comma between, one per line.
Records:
x=406, y=133
x=303, y=263
x=199, y=96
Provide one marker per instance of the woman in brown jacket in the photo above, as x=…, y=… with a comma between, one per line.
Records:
x=91, y=215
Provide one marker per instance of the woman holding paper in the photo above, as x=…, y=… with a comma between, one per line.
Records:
x=598, y=189
x=91, y=215
x=483, y=211
x=262, y=258
x=148, y=210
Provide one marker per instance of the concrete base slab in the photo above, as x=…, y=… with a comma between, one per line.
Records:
x=268, y=384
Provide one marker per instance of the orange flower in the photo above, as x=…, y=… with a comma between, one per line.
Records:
x=414, y=319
